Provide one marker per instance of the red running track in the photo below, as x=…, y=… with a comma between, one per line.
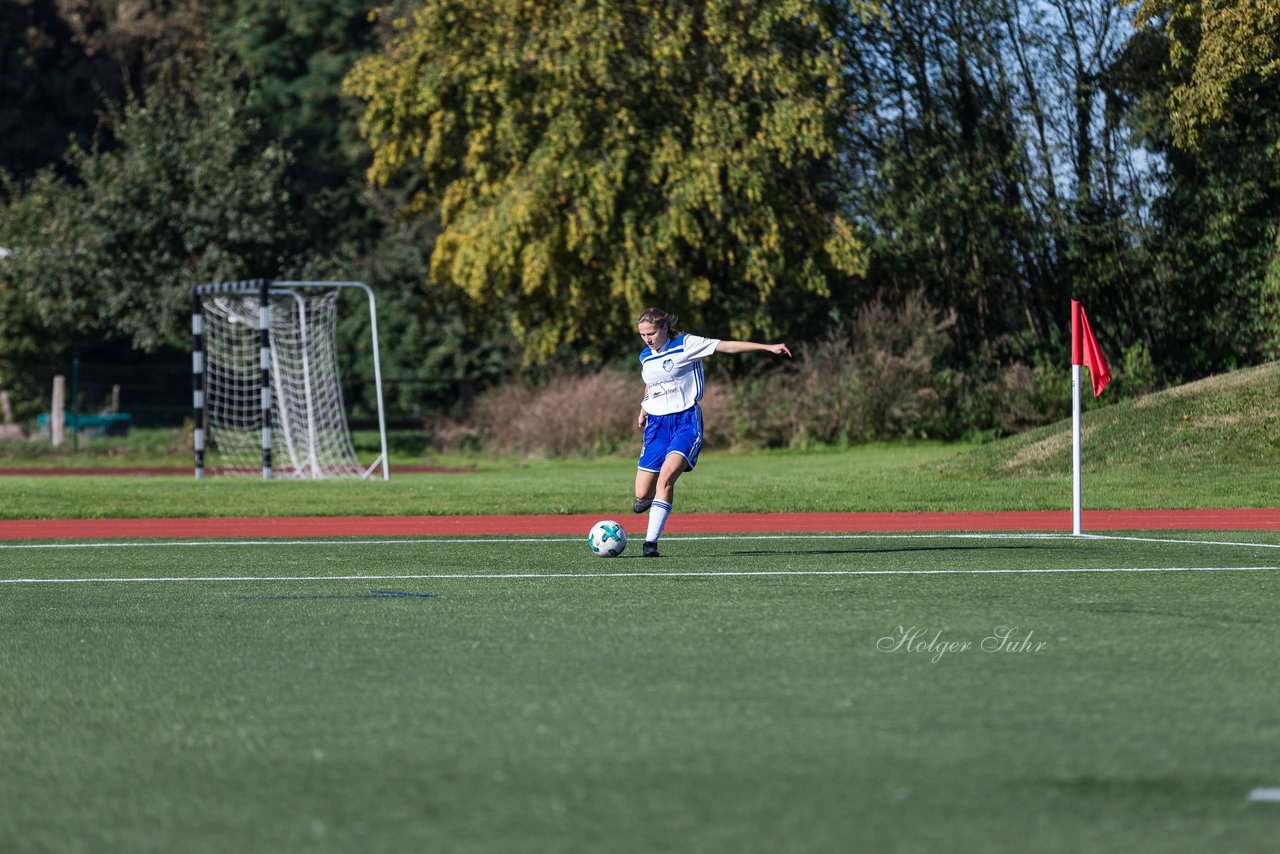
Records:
x=1264, y=519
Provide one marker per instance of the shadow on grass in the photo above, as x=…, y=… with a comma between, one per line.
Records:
x=373, y=594
x=901, y=550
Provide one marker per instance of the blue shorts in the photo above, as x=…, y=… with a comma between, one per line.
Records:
x=678, y=433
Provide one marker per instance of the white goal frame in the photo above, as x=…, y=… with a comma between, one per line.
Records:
x=263, y=291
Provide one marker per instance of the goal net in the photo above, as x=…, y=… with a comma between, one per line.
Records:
x=268, y=393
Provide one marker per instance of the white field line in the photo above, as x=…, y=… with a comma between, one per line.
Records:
x=428, y=540
x=1265, y=795
x=590, y=575
x=1178, y=542
x=584, y=576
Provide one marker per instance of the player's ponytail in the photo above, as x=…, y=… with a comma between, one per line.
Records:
x=660, y=319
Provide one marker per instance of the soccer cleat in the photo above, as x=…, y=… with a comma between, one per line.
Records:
x=651, y=550
x=641, y=505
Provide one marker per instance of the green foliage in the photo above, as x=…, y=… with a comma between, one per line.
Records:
x=1231, y=48
x=45, y=97
x=435, y=354
x=1223, y=111
x=1135, y=374
x=296, y=55
x=956, y=206
x=1003, y=176
x=23, y=349
x=1270, y=307
x=566, y=162
x=182, y=199
x=587, y=160
x=1211, y=252
x=944, y=212
x=65, y=64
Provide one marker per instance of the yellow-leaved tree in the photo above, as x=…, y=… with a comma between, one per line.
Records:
x=1229, y=47
x=586, y=159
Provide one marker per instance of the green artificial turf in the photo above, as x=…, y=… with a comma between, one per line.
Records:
x=740, y=694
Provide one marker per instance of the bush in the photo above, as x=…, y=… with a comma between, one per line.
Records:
x=571, y=414
x=568, y=415
x=1000, y=398
x=872, y=379
x=1135, y=375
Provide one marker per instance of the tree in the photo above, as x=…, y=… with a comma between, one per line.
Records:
x=47, y=90
x=181, y=199
x=1001, y=169
x=296, y=55
x=587, y=159
x=1231, y=49
x=955, y=208
x=1223, y=110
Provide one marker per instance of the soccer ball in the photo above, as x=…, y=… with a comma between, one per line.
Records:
x=607, y=539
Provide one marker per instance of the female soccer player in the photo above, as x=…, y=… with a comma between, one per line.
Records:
x=671, y=365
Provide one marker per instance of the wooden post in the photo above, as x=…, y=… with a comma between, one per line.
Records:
x=115, y=398
x=58, y=412
x=9, y=430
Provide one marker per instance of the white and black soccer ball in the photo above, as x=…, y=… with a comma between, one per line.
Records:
x=607, y=539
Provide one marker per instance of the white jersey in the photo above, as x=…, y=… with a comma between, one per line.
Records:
x=673, y=376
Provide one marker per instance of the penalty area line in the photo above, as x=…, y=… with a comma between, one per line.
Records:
x=584, y=576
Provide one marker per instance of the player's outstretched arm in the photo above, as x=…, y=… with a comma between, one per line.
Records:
x=751, y=346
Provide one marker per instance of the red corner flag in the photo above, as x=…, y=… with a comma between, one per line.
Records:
x=1085, y=351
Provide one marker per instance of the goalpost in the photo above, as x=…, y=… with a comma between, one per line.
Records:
x=265, y=381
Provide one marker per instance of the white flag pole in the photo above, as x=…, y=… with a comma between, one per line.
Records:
x=1075, y=449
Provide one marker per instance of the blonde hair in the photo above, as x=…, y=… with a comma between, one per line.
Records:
x=660, y=319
